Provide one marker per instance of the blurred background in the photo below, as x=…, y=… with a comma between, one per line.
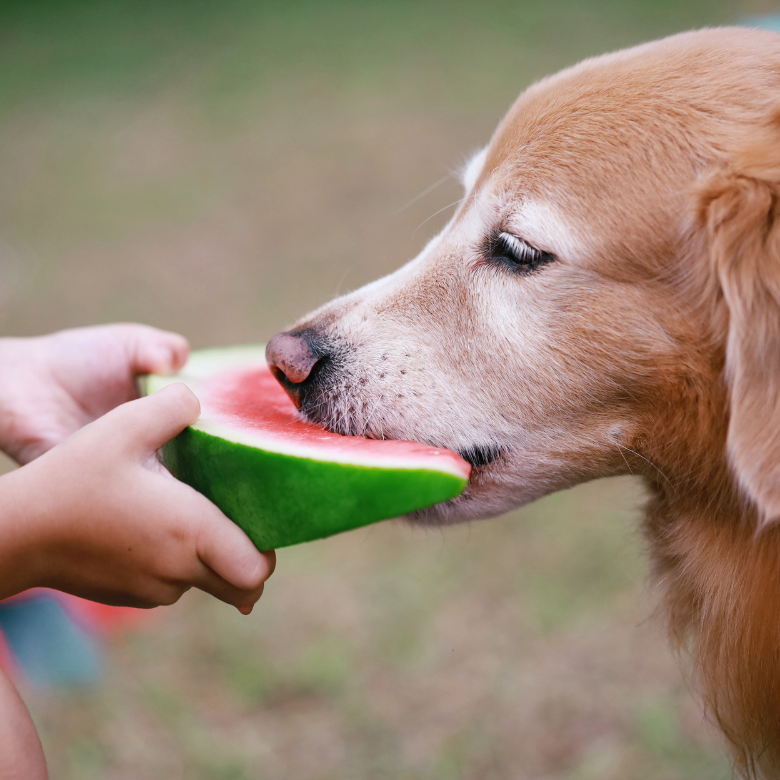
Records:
x=219, y=168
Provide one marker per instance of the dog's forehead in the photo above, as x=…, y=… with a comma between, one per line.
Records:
x=620, y=114
x=567, y=127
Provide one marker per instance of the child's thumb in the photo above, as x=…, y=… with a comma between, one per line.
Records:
x=150, y=422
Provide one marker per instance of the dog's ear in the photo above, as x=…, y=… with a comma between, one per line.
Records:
x=740, y=212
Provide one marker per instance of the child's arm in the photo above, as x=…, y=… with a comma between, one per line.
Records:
x=21, y=754
x=99, y=517
x=93, y=512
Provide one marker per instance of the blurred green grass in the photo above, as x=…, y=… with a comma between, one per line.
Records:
x=219, y=169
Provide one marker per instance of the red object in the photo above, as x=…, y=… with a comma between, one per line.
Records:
x=94, y=617
x=251, y=399
x=101, y=617
x=7, y=661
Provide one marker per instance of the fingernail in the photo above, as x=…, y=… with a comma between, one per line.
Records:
x=246, y=610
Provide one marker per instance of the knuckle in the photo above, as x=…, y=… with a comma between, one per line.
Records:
x=179, y=532
x=161, y=593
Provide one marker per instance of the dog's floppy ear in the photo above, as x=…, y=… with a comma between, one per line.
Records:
x=740, y=211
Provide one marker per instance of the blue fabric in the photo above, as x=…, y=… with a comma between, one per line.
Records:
x=769, y=22
x=50, y=648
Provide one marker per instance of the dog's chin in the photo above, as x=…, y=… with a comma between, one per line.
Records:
x=472, y=504
x=485, y=496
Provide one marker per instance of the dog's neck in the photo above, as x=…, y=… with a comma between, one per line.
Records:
x=720, y=579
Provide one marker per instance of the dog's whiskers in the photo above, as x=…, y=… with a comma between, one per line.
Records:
x=646, y=460
x=421, y=195
x=370, y=415
x=436, y=213
x=343, y=278
x=628, y=465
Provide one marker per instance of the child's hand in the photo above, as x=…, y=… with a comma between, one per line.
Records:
x=51, y=386
x=99, y=517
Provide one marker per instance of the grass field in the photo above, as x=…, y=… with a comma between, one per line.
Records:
x=219, y=169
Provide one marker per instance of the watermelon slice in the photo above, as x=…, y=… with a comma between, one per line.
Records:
x=285, y=481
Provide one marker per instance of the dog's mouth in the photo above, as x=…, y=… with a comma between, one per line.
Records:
x=480, y=455
x=318, y=402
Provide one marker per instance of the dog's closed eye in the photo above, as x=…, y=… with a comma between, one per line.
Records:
x=515, y=254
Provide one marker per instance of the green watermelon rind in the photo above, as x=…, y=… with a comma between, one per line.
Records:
x=280, y=499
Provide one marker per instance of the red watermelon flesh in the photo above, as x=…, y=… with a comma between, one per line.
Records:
x=286, y=481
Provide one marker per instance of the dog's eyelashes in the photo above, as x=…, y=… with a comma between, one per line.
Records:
x=515, y=254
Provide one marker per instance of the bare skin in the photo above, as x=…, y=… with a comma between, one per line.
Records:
x=92, y=512
x=21, y=754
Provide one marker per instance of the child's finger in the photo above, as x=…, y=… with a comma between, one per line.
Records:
x=219, y=545
x=212, y=583
x=150, y=422
x=225, y=549
x=225, y=562
x=153, y=351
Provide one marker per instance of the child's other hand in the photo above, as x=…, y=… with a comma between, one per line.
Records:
x=50, y=386
x=99, y=517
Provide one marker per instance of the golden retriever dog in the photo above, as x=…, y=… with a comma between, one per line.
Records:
x=605, y=300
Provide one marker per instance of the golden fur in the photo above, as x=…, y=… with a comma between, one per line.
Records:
x=651, y=344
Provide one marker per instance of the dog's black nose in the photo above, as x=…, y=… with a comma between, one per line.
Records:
x=293, y=356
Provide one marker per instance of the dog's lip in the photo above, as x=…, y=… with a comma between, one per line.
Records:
x=480, y=455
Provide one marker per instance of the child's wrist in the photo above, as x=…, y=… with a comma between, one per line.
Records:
x=23, y=532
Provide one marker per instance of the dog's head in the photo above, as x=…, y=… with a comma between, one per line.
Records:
x=572, y=318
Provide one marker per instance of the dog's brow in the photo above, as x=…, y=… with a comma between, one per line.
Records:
x=541, y=223
x=471, y=170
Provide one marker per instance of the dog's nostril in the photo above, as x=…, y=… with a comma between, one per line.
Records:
x=293, y=355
